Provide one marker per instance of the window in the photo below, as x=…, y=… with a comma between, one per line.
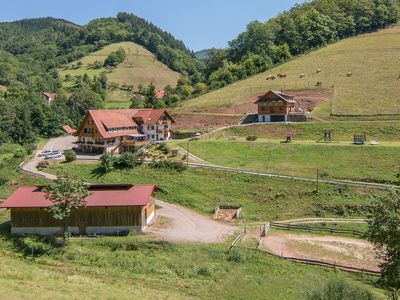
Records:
x=153, y=136
x=152, y=127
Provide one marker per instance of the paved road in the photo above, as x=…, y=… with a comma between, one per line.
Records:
x=64, y=143
x=61, y=144
x=178, y=224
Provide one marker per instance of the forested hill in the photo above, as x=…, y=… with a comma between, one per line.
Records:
x=40, y=45
x=302, y=29
x=33, y=50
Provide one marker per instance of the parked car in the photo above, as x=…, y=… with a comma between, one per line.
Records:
x=53, y=154
x=45, y=152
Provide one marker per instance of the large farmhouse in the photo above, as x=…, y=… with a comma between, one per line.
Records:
x=120, y=129
x=275, y=107
x=110, y=209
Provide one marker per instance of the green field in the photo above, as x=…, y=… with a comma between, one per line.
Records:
x=135, y=267
x=139, y=67
x=372, y=90
x=364, y=163
x=343, y=131
x=262, y=198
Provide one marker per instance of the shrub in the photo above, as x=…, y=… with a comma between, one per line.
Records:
x=19, y=153
x=30, y=148
x=251, y=138
x=32, y=246
x=339, y=289
x=107, y=162
x=70, y=155
x=127, y=160
x=204, y=271
x=235, y=256
x=167, y=164
x=43, y=164
x=163, y=147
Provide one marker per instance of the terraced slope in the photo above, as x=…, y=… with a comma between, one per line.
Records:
x=373, y=89
x=140, y=67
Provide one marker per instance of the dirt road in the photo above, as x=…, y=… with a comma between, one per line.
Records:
x=178, y=224
x=335, y=250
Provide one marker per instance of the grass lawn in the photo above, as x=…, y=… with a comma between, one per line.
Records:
x=262, y=198
x=379, y=163
x=135, y=267
x=372, y=90
x=388, y=131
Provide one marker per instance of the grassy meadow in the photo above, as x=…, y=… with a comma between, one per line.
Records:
x=364, y=163
x=343, y=131
x=262, y=198
x=139, y=67
x=372, y=89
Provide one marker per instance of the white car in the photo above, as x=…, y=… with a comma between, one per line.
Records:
x=53, y=154
x=45, y=152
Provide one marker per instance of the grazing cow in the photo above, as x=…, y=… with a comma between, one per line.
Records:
x=319, y=70
x=302, y=75
x=349, y=74
x=282, y=75
x=271, y=77
x=319, y=83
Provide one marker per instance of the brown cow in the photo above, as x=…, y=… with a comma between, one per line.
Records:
x=282, y=75
x=302, y=75
x=349, y=74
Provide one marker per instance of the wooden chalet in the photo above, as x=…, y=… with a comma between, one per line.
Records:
x=104, y=131
x=109, y=209
x=275, y=106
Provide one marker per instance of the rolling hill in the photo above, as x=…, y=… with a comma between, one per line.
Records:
x=372, y=58
x=139, y=67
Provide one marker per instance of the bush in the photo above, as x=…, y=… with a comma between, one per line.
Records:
x=32, y=246
x=43, y=164
x=167, y=164
x=70, y=155
x=127, y=160
x=251, y=138
x=19, y=153
x=204, y=271
x=30, y=148
x=107, y=162
x=339, y=289
x=163, y=147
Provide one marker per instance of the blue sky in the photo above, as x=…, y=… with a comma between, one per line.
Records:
x=200, y=24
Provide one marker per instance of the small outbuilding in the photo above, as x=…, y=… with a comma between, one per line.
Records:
x=109, y=210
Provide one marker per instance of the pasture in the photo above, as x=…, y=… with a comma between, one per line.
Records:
x=360, y=163
x=371, y=90
x=262, y=198
x=139, y=67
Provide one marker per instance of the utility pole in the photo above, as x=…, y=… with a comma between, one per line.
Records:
x=187, y=154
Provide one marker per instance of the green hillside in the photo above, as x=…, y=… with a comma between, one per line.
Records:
x=139, y=67
x=372, y=90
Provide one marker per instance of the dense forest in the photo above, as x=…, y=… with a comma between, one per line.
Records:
x=32, y=51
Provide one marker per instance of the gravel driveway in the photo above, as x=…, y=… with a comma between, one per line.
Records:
x=178, y=224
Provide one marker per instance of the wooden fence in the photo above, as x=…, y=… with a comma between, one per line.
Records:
x=316, y=228
x=326, y=264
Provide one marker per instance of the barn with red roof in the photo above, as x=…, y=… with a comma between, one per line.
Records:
x=109, y=209
x=121, y=129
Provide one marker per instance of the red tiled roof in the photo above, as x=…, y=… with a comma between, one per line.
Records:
x=68, y=129
x=160, y=94
x=118, y=118
x=106, y=195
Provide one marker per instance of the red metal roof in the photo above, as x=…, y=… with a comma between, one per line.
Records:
x=68, y=129
x=100, y=196
x=50, y=95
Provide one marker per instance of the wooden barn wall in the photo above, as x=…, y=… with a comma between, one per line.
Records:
x=91, y=216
